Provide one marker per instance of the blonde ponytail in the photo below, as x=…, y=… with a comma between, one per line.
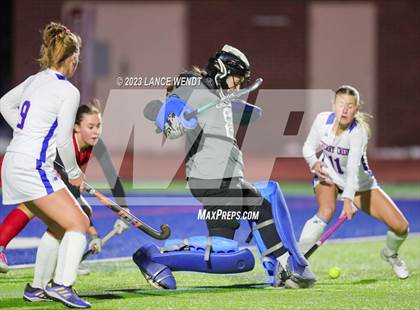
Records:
x=58, y=43
x=362, y=119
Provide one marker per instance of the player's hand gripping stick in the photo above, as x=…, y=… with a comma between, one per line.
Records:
x=164, y=232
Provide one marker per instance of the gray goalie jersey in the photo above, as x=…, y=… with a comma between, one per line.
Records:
x=212, y=151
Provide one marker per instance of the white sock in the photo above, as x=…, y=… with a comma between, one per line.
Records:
x=311, y=233
x=393, y=242
x=283, y=259
x=46, y=260
x=69, y=256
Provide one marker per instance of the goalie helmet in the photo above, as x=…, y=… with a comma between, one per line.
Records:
x=228, y=61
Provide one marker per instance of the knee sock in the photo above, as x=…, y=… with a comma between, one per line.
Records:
x=12, y=225
x=46, y=260
x=311, y=233
x=393, y=242
x=69, y=256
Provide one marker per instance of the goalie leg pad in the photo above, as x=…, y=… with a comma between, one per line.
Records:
x=294, y=267
x=202, y=244
x=272, y=192
x=298, y=273
x=158, y=275
x=220, y=263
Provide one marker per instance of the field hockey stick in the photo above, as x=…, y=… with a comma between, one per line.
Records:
x=233, y=95
x=124, y=213
x=164, y=232
x=104, y=240
x=324, y=237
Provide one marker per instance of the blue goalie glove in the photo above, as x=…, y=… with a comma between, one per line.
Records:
x=170, y=118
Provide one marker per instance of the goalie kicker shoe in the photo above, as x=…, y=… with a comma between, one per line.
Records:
x=295, y=275
x=280, y=275
x=34, y=294
x=65, y=295
x=158, y=275
x=397, y=264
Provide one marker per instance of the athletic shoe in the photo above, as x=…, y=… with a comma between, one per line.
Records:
x=34, y=294
x=4, y=267
x=397, y=264
x=66, y=295
x=83, y=271
x=280, y=275
x=157, y=275
x=299, y=276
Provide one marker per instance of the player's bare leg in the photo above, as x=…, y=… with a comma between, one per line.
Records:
x=379, y=205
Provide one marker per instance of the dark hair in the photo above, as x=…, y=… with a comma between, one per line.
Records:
x=92, y=107
x=361, y=117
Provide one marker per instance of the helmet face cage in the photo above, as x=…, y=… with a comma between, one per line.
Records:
x=224, y=64
x=234, y=65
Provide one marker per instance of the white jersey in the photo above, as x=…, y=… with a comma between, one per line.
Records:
x=42, y=111
x=344, y=155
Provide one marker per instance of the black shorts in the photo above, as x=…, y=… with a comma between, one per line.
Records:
x=233, y=194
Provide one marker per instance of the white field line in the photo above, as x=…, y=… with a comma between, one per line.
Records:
x=127, y=258
x=370, y=238
x=93, y=261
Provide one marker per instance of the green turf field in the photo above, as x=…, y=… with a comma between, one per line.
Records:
x=366, y=283
x=395, y=190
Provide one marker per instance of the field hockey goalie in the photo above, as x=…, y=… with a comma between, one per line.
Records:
x=221, y=255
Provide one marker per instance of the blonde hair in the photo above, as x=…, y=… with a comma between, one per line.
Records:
x=58, y=43
x=196, y=70
x=361, y=117
x=199, y=71
x=92, y=107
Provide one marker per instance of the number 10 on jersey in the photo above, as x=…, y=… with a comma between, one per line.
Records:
x=23, y=113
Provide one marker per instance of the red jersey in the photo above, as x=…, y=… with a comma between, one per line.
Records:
x=84, y=156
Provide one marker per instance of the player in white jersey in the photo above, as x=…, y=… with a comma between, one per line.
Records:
x=41, y=111
x=335, y=151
